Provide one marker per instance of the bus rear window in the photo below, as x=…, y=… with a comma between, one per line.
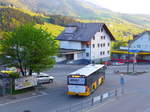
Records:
x=76, y=81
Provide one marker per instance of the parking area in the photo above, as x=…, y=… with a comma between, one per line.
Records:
x=54, y=95
x=60, y=73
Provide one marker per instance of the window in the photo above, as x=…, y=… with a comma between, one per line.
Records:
x=108, y=44
x=87, y=46
x=87, y=54
x=70, y=29
x=103, y=52
x=97, y=45
x=108, y=52
x=103, y=44
x=104, y=37
x=101, y=29
x=138, y=46
x=93, y=45
x=93, y=38
x=101, y=37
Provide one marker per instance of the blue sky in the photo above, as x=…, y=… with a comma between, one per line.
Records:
x=125, y=6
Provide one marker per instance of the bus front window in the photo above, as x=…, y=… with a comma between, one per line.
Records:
x=76, y=81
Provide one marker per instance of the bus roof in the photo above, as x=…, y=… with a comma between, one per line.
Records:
x=87, y=70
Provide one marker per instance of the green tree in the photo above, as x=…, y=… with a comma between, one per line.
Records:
x=116, y=45
x=29, y=49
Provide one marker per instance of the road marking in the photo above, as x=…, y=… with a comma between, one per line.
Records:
x=24, y=99
x=100, y=105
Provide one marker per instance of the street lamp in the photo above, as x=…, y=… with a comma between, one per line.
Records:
x=128, y=58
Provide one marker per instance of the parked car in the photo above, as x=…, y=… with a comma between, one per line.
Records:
x=118, y=63
x=43, y=78
x=79, y=62
x=107, y=63
x=9, y=70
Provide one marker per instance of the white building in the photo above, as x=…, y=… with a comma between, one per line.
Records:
x=90, y=41
x=141, y=42
x=140, y=45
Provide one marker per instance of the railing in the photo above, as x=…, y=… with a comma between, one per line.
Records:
x=87, y=104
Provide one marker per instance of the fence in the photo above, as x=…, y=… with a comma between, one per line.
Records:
x=86, y=104
x=5, y=86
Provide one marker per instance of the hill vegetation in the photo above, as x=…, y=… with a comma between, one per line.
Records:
x=14, y=17
x=77, y=8
x=11, y=17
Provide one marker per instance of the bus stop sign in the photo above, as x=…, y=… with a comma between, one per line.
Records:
x=134, y=51
x=122, y=80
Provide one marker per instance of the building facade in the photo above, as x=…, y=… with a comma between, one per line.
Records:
x=89, y=41
x=139, y=46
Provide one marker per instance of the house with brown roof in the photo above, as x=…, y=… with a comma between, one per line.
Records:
x=139, y=46
x=85, y=41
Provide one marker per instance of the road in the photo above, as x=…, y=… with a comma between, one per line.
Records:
x=55, y=97
x=136, y=97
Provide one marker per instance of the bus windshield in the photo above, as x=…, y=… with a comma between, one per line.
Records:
x=80, y=81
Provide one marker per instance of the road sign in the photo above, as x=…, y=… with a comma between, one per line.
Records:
x=134, y=51
x=134, y=59
x=122, y=80
x=122, y=83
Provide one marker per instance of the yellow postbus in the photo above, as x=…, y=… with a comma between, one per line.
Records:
x=85, y=80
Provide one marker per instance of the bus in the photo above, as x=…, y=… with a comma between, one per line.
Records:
x=84, y=81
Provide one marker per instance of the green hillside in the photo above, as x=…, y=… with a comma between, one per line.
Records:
x=122, y=30
x=78, y=9
x=10, y=18
x=55, y=30
x=13, y=17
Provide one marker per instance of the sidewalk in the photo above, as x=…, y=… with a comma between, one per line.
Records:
x=4, y=100
x=135, y=99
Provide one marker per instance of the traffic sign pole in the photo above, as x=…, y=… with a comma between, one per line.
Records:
x=122, y=83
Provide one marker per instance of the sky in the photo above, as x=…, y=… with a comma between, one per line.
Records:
x=125, y=6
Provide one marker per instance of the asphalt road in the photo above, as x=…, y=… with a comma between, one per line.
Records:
x=55, y=96
x=135, y=99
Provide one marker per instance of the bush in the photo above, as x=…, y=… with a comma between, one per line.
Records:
x=14, y=75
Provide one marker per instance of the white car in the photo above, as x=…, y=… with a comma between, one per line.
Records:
x=43, y=78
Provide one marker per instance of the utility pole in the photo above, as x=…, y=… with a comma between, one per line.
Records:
x=128, y=59
x=134, y=61
x=122, y=82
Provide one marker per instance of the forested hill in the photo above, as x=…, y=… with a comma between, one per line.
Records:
x=13, y=17
x=78, y=9
x=10, y=18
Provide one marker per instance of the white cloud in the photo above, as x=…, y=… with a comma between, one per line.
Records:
x=126, y=6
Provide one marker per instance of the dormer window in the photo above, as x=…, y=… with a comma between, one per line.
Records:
x=70, y=29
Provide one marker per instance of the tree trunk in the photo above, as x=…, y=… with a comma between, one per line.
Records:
x=30, y=72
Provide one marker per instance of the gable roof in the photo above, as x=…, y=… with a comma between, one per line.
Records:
x=85, y=32
x=136, y=37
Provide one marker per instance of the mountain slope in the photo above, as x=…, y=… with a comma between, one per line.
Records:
x=123, y=26
x=79, y=9
x=11, y=18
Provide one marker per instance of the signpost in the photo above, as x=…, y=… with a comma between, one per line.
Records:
x=122, y=83
x=134, y=51
x=134, y=58
x=134, y=61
